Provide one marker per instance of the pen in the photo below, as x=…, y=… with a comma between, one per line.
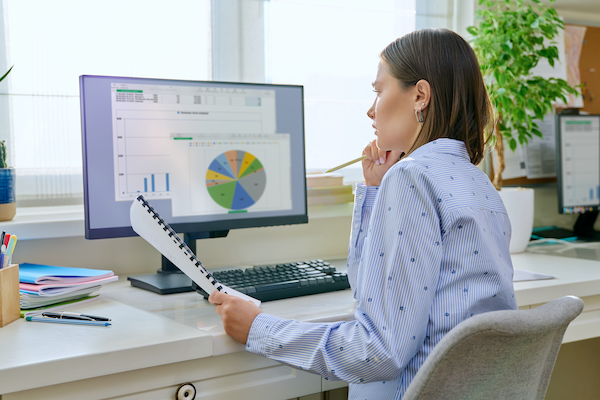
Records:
x=11, y=247
x=67, y=321
x=64, y=316
x=348, y=163
x=70, y=315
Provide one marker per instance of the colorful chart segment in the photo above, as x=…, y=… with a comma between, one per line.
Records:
x=236, y=180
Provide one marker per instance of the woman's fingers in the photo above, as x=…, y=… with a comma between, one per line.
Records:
x=216, y=298
x=374, y=154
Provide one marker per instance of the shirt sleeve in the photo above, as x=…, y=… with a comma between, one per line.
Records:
x=364, y=199
x=395, y=284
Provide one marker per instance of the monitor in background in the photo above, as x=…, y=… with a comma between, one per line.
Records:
x=578, y=171
x=208, y=156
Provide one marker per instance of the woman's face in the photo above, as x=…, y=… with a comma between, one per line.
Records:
x=393, y=113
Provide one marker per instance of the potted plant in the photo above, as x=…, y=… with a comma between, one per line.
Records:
x=510, y=39
x=8, y=205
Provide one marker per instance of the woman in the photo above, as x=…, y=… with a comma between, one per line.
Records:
x=430, y=236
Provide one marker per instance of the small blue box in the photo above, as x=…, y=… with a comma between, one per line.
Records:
x=7, y=185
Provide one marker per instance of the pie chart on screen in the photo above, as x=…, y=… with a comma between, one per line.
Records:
x=236, y=179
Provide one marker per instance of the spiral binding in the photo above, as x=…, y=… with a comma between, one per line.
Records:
x=182, y=245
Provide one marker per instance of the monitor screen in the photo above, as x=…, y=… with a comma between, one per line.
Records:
x=578, y=156
x=208, y=156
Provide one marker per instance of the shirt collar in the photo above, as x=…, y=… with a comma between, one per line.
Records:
x=443, y=145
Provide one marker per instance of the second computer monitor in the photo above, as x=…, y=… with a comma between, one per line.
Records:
x=578, y=171
x=578, y=174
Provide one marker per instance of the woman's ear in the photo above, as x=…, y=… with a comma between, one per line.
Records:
x=422, y=95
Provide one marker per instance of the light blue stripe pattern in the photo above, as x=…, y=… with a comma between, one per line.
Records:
x=429, y=248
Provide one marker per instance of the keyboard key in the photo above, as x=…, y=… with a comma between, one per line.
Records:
x=277, y=286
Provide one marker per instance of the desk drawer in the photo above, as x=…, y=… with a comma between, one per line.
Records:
x=233, y=376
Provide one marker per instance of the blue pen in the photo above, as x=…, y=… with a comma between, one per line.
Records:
x=66, y=321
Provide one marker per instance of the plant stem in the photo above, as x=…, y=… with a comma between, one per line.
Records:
x=499, y=168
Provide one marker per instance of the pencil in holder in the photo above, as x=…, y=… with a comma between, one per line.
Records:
x=10, y=307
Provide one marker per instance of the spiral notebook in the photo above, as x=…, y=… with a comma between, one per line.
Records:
x=146, y=222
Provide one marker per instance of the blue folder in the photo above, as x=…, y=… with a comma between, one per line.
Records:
x=46, y=274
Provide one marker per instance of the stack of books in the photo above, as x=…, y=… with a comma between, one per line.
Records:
x=322, y=189
x=43, y=287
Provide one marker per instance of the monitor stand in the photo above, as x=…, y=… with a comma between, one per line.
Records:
x=582, y=230
x=169, y=279
x=584, y=227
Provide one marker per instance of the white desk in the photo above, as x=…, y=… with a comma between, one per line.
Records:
x=158, y=342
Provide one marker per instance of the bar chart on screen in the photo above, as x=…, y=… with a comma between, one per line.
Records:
x=148, y=183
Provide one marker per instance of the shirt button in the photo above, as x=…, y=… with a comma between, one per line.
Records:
x=356, y=226
x=360, y=196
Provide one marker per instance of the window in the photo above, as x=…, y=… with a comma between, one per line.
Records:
x=51, y=43
x=332, y=48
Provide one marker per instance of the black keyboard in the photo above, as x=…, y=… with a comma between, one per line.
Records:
x=282, y=281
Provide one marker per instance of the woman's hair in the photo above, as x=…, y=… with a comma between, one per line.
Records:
x=459, y=107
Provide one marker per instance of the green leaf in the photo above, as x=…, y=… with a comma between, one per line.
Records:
x=7, y=72
x=473, y=30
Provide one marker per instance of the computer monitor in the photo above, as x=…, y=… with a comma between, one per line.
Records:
x=208, y=156
x=578, y=171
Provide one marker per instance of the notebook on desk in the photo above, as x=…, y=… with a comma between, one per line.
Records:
x=521, y=275
x=147, y=223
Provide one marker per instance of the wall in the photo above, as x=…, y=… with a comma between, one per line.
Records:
x=546, y=208
x=591, y=18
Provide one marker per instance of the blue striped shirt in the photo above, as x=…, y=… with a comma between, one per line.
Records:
x=429, y=248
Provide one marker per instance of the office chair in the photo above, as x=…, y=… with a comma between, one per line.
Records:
x=507, y=355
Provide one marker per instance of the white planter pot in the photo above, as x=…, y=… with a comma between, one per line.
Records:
x=519, y=206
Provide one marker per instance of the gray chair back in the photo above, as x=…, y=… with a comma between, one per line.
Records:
x=497, y=355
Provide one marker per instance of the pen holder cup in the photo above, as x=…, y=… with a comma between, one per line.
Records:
x=10, y=307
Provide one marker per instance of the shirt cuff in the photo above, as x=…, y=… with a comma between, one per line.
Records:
x=258, y=337
x=367, y=194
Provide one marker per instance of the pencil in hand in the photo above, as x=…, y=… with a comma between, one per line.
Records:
x=347, y=163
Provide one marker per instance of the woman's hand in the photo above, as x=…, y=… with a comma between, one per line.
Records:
x=377, y=163
x=237, y=314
